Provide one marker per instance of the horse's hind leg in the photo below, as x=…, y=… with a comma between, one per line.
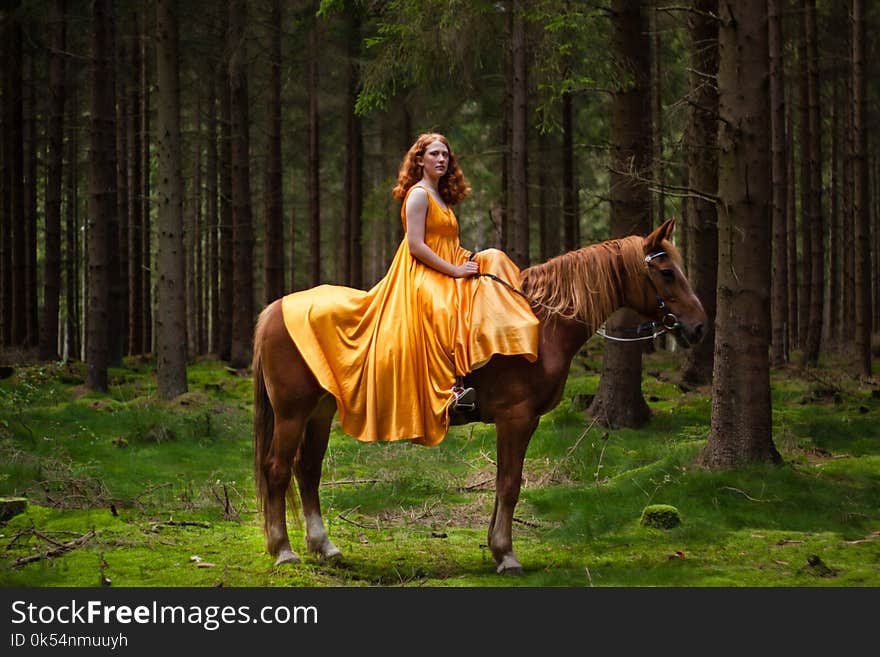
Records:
x=286, y=440
x=308, y=476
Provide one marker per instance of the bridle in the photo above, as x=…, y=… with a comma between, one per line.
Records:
x=668, y=320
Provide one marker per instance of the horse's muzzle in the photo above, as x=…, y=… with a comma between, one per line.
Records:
x=687, y=336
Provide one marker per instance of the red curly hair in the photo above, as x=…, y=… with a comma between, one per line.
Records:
x=453, y=186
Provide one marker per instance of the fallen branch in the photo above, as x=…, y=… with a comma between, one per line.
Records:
x=63, y=548
x=526, y=523
x=343, y=482
x=341, y=516
x=745, y=495
x=182, y=523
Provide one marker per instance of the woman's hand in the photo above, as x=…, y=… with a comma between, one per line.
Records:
x=469, y=268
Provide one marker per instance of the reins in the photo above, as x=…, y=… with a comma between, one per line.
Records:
x=668, y=322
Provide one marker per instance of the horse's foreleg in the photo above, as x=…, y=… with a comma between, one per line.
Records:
x=286, y=438
x=308, y=476
x=512, y=440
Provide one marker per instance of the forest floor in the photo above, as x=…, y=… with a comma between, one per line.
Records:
x=127, y=490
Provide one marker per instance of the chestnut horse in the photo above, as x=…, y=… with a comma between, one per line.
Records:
x=571, y=295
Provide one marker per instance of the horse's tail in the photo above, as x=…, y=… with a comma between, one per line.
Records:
x=264, y=417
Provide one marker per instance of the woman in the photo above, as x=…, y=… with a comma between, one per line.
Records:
x=391, y=356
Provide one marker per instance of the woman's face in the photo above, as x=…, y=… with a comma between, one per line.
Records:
x=435, y=160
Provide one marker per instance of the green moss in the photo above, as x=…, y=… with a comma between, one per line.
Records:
x=150, y=484
x=660, y=516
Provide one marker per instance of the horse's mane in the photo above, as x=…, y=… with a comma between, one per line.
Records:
x=587, y=284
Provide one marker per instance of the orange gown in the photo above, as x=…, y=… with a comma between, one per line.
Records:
x=390, y=355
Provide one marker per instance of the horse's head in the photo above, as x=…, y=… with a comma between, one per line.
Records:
x=666, y=296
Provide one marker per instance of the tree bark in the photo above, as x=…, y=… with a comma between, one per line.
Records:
x=54, y=182
x=30, y=142
x=102, y=195
x=119, y=228
x=861, y=206
x=619, y=401
x=72, y=256
x=702, y=167
x=741, y=426
x=242, y=215
x=779, y=344
x=224, y=348
x=212, y=258
x=14, y=157
x=273, y=208
x=805, y=191
x=519, y=199
x=354, y=161
x=570, y=214
x=171, y=339
x=134, y=171
x=146, y=220
x=816, y=226
x=314, y=163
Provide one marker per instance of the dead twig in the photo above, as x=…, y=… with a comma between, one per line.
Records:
x=342, y=516
x=344, y=482
x=182, y=523
x=746, y=495
x=55, y=552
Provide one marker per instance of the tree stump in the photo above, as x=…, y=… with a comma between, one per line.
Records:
x=11, y=506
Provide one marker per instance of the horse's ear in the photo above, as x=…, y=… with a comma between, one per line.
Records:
x=662, y=232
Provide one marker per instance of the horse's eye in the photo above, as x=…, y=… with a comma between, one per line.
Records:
x=668, y=275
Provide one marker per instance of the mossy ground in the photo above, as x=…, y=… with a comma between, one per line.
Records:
x=167, y=490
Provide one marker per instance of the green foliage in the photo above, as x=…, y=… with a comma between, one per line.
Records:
x=155, y=493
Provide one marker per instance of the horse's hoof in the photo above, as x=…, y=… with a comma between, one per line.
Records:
x=330, y=552
x=509, y=566
x=327, y=551
x=287, y=556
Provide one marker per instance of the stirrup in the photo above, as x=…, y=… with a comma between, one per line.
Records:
x=464, y=401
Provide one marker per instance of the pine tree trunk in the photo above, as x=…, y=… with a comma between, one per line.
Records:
x=779, y=344
x=146, y=220
x=72, y=255
x=659, y=172
x=171, y=339
x=102, y=195
x=741, y=426
x=212, y=259
x=805, y=193
x=832, y=335
x=5, y=183
x=518, y=191
x=861, y=206
x=571, y=223
x=242, y=216
x=14, y=153
x=816, y=223
x=54, y=182
x=273, y=209
x=619, y=401
x=31, y=145
x=224, y=348
x=135, y=202
x=314, y=164
x=119, y=240
x=354, y=169
x=792, y=233
x=194, y=236
x=702, y=167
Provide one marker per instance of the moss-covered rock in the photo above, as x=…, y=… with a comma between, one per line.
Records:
x=661, y=516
